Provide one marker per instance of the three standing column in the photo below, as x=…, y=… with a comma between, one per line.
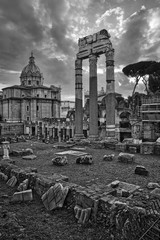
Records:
x=93, y=105
x=78, y=100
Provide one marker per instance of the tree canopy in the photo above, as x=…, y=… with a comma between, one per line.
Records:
x=147, y=71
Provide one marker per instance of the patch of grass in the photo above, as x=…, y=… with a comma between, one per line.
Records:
x=99, y=172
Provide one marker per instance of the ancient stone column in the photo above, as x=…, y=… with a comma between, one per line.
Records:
x=78, y=100
x=93, y=105
x=110, y=94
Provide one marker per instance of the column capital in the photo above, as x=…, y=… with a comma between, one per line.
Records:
x=110, y=54
x=93, y=58
x=78, y=63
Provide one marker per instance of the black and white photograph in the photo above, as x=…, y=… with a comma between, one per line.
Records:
x=79, y=120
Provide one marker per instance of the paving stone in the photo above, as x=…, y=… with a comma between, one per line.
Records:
x=29, y=157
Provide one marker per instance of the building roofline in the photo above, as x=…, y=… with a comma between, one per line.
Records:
x=31, y=87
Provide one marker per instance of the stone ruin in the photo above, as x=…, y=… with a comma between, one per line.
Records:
x=124, y=209
x=91, y=47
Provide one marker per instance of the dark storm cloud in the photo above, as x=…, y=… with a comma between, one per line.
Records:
x=21, y=13
x=58, y=14
x=56, y=71
x=129, y=48
x=19, y=31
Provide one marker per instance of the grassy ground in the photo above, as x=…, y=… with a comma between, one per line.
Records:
x=99, y=172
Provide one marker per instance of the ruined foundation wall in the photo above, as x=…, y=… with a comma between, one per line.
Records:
x=121, y=216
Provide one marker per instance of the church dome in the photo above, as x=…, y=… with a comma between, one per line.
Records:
x=31, y=75
x=31, y=69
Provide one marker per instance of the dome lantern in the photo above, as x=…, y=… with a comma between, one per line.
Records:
x=31, y=75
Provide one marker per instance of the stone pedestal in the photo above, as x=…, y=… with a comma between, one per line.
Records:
x=6, y=148
x=78, y=100
x=93, y=105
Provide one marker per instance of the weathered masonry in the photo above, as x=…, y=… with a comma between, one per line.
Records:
x=92, y=47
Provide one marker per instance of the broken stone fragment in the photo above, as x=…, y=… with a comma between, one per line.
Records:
x=115, y=183
x=27, y=151
x=87, y=159
x=12, y=181
x=152, y=185
x=60, y=161
x=22, y=196
x=55, y=196
x=29, y=157
x=126, y=157
x=23, y=186
x=3, y=176
x=108, y=157
x=31, y=169
x=82, y=215
x=139, y=210
x=141, y=170
x=120, y=204
x=156, y=192
x=125, y=193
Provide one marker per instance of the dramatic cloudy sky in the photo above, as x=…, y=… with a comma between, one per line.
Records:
x=51, y=29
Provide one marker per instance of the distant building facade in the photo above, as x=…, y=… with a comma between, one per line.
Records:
x=30, y=101
x=150, y=111
x=65, y=107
